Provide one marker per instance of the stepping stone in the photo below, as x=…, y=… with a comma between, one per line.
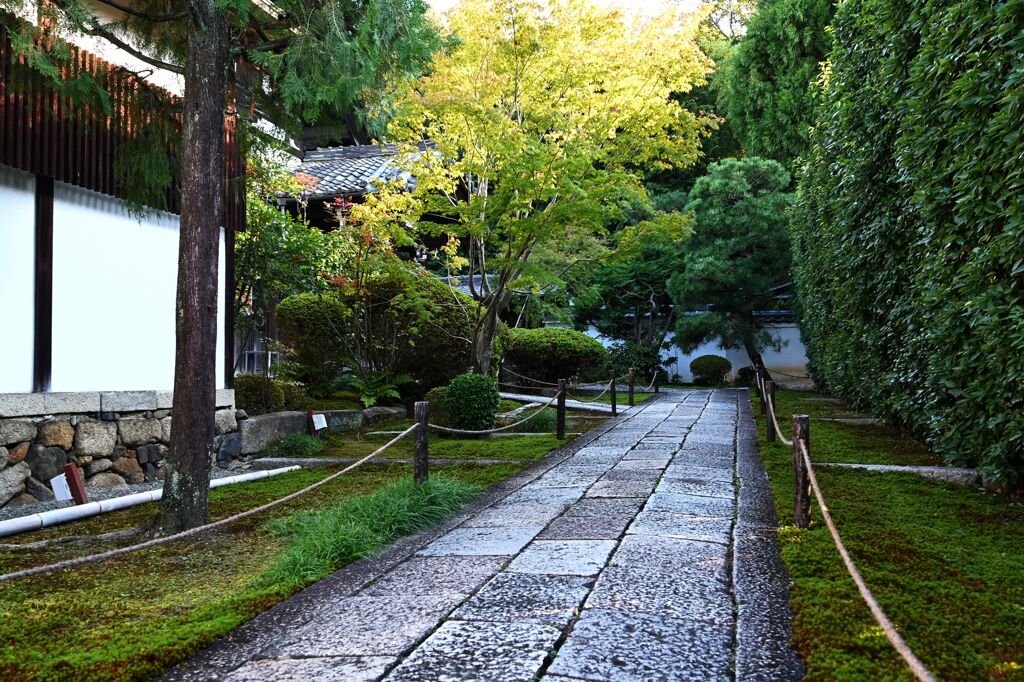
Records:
x=520, y=597
x=609, y=644
x=477, y=650
x=481, y=541
x=563, y=557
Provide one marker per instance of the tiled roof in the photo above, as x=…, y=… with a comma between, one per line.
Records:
x=343, y=171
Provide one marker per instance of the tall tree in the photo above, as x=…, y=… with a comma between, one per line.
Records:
x=309, y=61
x=543, y=118
x=769, y=76
x=738, y=253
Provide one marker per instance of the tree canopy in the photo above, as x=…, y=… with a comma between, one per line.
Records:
x=542, y=118
x=738, y=253
x=769, y=76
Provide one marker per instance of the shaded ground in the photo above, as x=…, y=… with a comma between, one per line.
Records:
x=638, y=557
x=946, y=562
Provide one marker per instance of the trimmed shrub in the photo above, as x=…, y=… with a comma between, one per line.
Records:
x=907, y=231
x=553, y=353
x=315, y=327
x=710, y=370
x=745, y=376
x=472, y=401
x=438, y=406
x=257, y=394
x=644, y=357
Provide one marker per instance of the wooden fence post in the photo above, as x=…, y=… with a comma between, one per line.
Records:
x=615, y=408
x=657, y=376
x=801, y=481
x=420, y=462
x=560, y=428
x=632, y=386
x=769, y=404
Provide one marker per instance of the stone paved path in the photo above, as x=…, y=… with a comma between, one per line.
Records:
x=649, y=554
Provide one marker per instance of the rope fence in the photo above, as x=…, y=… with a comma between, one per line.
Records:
x=806, y=481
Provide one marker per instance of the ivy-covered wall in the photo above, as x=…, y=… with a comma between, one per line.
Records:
x=908, y=230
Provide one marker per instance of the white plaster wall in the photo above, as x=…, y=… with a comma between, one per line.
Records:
x=788, y=364
x=113, y=295
x=17, y=279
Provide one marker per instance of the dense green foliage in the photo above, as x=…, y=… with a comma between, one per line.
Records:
x=472, y=402
x=908, y=228
x=710, y=370
x=438, y=406
x=258, y=394
x=769, y=76
x=553, y=353
x=943, y=560
x=314, y=326
x=644, y=357
x=295, y=444
x=738, y=253
x=322, y=541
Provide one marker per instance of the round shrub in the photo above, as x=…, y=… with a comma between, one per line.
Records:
x=745, y=376
x=553, y=353
x=438, y=406
x=472, y=401
x=710, y=370
x=315, y=327
x=257, y=394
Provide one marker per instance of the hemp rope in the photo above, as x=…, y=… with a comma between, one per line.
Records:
x=897, y=642
x=523, y=376
x=103, y=556
x=445, y=429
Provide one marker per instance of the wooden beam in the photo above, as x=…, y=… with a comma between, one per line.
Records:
x=42, y=359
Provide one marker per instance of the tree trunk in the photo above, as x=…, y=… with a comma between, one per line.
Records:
x=487, y=329
x=186, y=482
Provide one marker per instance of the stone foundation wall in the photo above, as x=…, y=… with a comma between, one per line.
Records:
x=115, y=438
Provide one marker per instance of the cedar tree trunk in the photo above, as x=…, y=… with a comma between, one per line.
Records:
x=187, y=474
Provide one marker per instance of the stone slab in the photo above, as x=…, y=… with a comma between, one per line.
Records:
x=605, y=506
x=436, y=575
x=672, y=555
x=689, y=526
x=563, y=557
x=265, y=429
x=365, y=626
x=128, y=401
x=684, y=470
x=518, y=597
x=328, y=669
x=658, y=463
x=607, y=527
x=689, y=504
x=481, y=541
x=478, y=650
x=675, y=595
x=570, y=476
x=698, y=486
x=609, y=644
x=604, y=488
x=38, y=404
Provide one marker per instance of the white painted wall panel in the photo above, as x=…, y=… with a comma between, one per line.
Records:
x=113, y=290
x=17, y=279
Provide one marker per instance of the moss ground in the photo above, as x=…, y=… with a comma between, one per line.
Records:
x=945, y=562
x=131, y=618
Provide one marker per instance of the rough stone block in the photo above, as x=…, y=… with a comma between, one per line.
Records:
x=259, y=432
x=17, y=453
x=129, y=469
x=137, y=431
x=12, y=481
x=230, y=448
x=128, y=401
x=164, y=400
x=225, y=397
x=16, y=431
x=343, y=421
x=94, y=437
x=46, y=462
x=165, y=430
x=224, y=421
x=39, y=490
x=106, y=482
x=380, y=413
x=56, y=433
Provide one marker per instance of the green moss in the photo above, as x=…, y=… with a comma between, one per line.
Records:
x=944, y=561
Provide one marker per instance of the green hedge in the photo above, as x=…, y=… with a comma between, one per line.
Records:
x=472, y=402
x=909, y=226
x=710, y=370
x=553, y=353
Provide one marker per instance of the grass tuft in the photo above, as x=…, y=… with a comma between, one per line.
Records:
x=320, y=542
x=295, y=444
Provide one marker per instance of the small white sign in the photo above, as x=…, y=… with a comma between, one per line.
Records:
x=59, y=485
x=319, y=422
